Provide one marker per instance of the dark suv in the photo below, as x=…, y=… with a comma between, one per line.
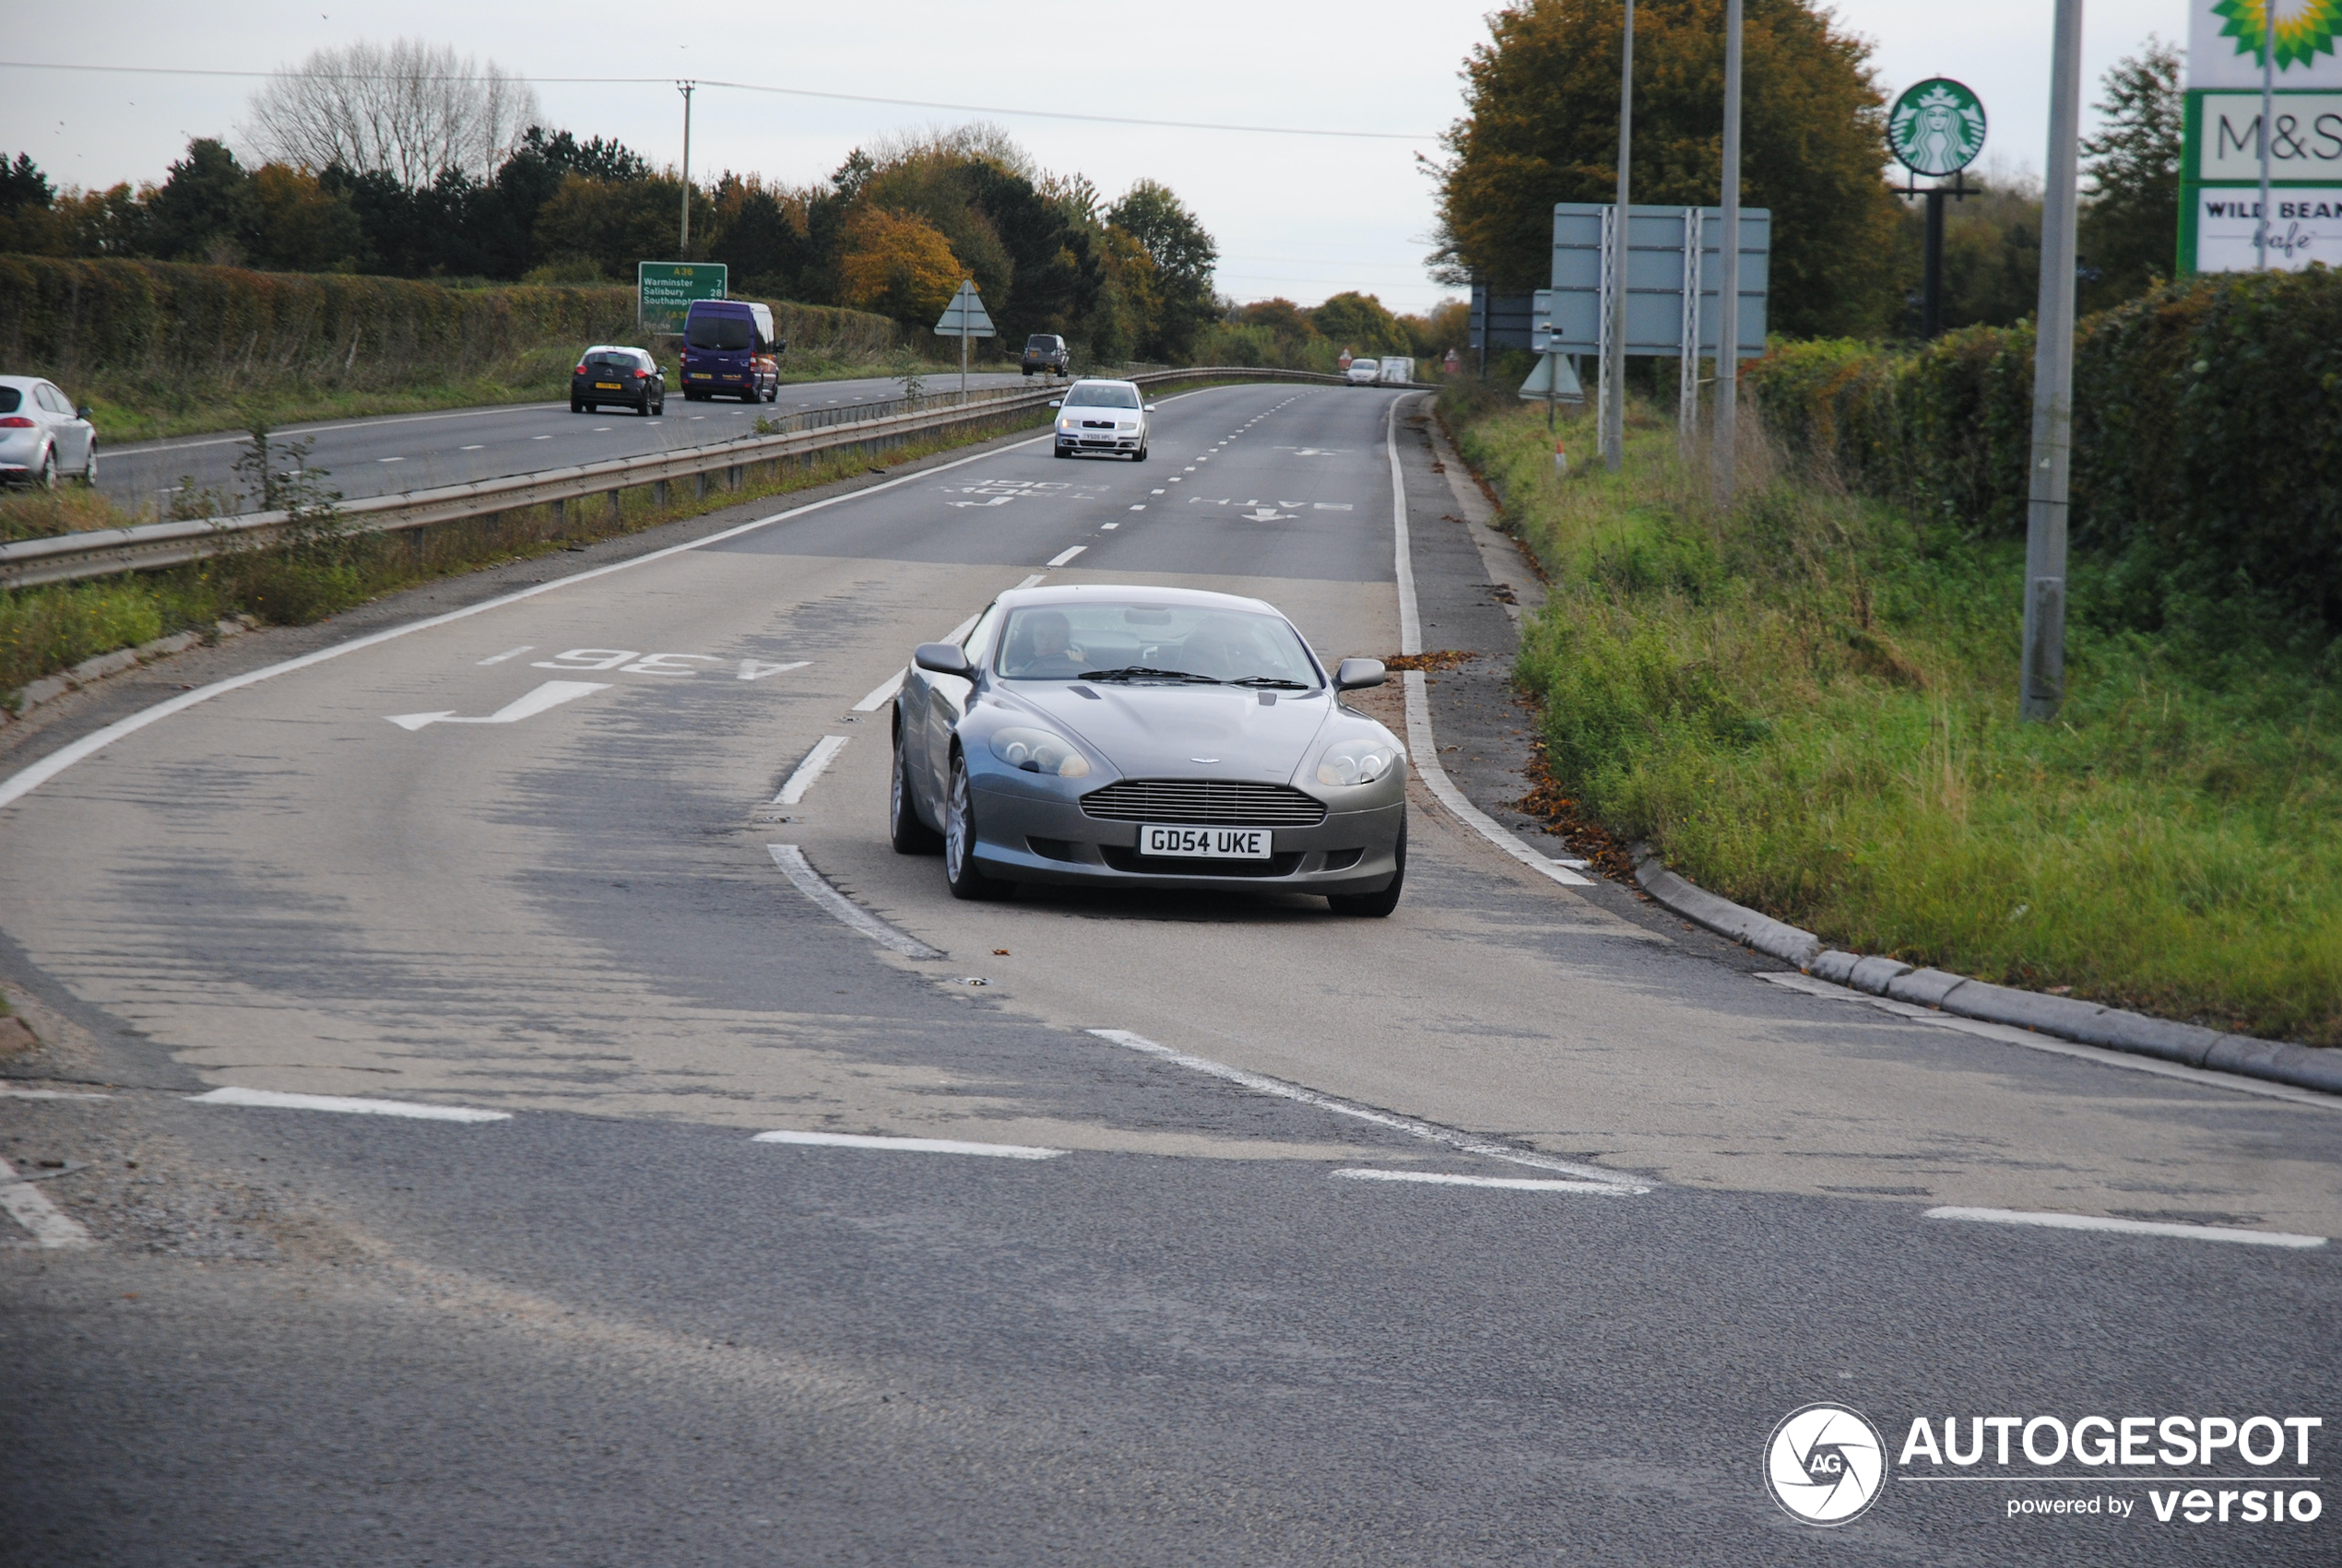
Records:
x=607, y=373
x=1045, y=352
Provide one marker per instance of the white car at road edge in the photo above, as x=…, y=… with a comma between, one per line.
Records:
x=43, y=434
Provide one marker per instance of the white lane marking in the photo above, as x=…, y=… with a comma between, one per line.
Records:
x=1063, y=556
x=1426, y=760
x=883, y=695
x=31, y=1209
x=958, y=633
x=2008, y=1034
x=751, y=669
x=1155, y=492
x=471, y=449
x=1110, y=527
x=270, y=1099
x=390, y=460
x=293, y=430
x=799, y=870
x=1409, y=624
x=1517, y=1184
x=910, y=1145
x=553, y=694
x=1032, y=581
x=816, y=761
x=1141, y=507
x=1407, y=1124
x=2126, y=1227
x=48, y=1094
x=507, y=653
x=19, y=785
x=540, y=438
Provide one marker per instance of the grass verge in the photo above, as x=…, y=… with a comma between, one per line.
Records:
x=1807, y=703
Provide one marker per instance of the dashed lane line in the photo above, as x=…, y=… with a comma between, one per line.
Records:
x=1450, y=1179
x=824, y=751
x=270, y=1099
x=815, y=885
x=1610, y=1180
x=1063, y=556
x=2127, y=1226
x=883, y=694
x=909, y=1144
x=29, y=1207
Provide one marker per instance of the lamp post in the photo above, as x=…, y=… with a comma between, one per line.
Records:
x=685, y=245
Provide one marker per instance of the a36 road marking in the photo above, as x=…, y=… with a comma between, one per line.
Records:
x=2127, y=1226
x=270, y=1099
x=1611, y=1180
x=507, y=653
x=909, y=1144
x=553, y=694
x=817, y=759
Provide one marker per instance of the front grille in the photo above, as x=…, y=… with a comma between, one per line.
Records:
x=1205, y=803
x=1131, y=861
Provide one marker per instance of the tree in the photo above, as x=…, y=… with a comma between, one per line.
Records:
x=2130, y=226
x=22, y=184
x=755, y=236
x=1542, y=127
x=293, y=223
x=199, y=213
x=614, y=223
x=410, y=109
x=1358, y=321
x=898, y=264
x=1184, y=256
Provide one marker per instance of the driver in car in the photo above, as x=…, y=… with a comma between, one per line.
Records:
x=1048, y=647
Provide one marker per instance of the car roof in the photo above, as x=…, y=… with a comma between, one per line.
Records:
x=25, y=383
x=1105, y=381
x=615, y=349
x=1076, y=593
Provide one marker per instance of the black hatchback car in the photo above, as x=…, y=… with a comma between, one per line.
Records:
x=1044, y=351
x=607, y=373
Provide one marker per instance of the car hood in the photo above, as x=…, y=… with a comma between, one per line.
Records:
x=1157, y=732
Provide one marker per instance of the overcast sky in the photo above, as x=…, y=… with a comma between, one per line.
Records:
x=1299, y=216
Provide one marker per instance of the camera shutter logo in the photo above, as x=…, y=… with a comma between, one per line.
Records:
x=1825, y=1465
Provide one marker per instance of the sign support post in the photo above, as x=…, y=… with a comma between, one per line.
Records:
x=1613, y=370
x=1728, y=271
x=963, y=318
x=2043, y=681
x=2268, y=131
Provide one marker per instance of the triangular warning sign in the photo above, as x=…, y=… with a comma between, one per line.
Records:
x=966, y=315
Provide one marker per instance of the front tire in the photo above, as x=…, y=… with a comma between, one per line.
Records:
x=47, y=478
x=909, y=835
x=1064, y=452
x=1140, y=455
x=90, y=467
x=1374, y=906
x=958, y=841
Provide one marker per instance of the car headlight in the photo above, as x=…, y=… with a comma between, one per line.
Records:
x=1358, y=761
x=1038, y=751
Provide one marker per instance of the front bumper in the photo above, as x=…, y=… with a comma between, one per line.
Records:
x=1025, y=835
x=1099, y=441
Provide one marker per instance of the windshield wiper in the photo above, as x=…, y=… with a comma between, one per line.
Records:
x=1145, y=672
x=1278, y=681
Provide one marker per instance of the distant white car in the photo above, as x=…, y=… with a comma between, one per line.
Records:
x=1397, y=370
x=1364, y=373
x=43, y=434
x=1107, y=418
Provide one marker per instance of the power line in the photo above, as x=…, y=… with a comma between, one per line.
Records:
x=766, y=87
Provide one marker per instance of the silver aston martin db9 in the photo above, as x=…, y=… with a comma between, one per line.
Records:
x=1146, y=737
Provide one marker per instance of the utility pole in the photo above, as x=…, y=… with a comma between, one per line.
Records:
x=2268, y=127
x=2045, y=655
x=685, y=88
x=1728, y=271
x=1614, y=409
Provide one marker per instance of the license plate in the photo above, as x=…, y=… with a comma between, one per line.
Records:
x=1204, y=843
x=606, y=387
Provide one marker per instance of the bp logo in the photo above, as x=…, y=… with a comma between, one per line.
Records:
x=1825, y=1464
x=1937, y=127
x=2303, y=33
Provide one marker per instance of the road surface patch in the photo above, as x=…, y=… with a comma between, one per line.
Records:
x=909, y=1144
x=2127, y=1227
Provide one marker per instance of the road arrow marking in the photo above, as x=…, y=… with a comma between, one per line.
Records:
x=553, y=694
x=1263, y=515
x=751, y=670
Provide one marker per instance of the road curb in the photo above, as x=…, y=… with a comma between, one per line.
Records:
x=2112, y=1029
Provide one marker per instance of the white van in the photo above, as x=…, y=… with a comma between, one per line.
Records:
x=1363, y=372
x=1397, y=371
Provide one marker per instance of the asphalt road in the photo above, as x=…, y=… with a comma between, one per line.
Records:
x=1226, y=1324
x=414, y=452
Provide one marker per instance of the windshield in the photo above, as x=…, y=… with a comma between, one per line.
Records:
x=1141, y=644
x=733, y=333
x=1099, y=394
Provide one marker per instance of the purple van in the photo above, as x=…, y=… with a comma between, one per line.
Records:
x=729, y=351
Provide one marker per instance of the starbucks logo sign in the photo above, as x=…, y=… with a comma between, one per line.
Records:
x=1937, y=127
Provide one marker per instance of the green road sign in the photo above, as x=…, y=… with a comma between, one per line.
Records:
x=664, y=290
x=1936, y=128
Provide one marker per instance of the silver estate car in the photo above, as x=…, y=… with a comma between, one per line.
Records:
x=1146, y=737
x=1107, y=418
x=43, y=435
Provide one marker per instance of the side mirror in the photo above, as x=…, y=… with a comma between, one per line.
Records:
x=1354, y=674
x=947, y=658
x=1150, y=407
x=82, y=412
x=1056, y=403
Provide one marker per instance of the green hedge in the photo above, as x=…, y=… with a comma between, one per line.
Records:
x=2207, y=432
x=66, y=319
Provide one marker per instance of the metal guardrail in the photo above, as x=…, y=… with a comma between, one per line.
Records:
x=152, y=547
